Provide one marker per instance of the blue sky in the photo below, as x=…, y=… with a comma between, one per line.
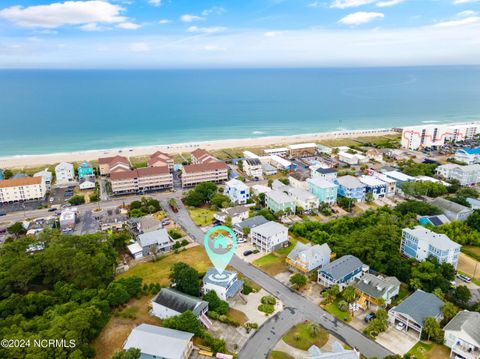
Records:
x=247, y=33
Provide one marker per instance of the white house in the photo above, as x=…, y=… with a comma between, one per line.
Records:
x=237, y=191
x=170, y=302
x=468, y=156
x=269, y=236
x=47, y=177
x=87, y=182
x=328, y=174
x=253, y=167
x=258, y=188
x=280, y=163
x=64, y=173
x=462, y=335
x=226, y=285
x=158, y=342
x=298, y=180
x=306, y=258
x=308, y=201
x=236, y=214
x=352, y=158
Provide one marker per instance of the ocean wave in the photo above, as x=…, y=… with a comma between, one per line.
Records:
x=258, y=132
x=431, y=121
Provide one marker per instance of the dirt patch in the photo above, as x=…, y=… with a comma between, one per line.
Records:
x=467, y=265
x=439, y=352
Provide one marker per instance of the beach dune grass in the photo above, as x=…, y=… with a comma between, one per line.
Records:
x=300, y=336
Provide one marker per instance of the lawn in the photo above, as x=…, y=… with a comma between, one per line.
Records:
x=237, y=316
x=274, y=263
x=332, y=308
x=299, y=337
x=158, y=272
x=469, y=265
x=472, y=251
x=139, y=161
x=276, y=354
x=423, y=350
x=201, y=216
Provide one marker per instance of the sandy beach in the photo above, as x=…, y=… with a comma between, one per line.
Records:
x=25, y=161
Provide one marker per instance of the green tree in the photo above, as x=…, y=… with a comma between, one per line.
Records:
x=461, y=295
x=16, y=229
x=432, y=329
x=132, y=353
x=314, y=330
x=8, y=174
x=332, y=292
x=369, y=197
x=473, y=220
x=449, y=310
x=77, y=200
x=220, y=201
x=348, y=294
x=298, y=280
x=194, y=199
x=185, y=279
x=187, y=322
x=215, y=304
x=417, y=207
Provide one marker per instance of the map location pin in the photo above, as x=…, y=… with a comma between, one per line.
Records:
x=220, y=243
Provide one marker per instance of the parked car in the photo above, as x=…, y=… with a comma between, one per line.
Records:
x=464, y=278
x=369, y=317
x=53, y=209
x=247, y=253
x=400, y=326
x=3, y=213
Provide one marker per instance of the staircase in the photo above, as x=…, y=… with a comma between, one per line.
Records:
x=205, y=321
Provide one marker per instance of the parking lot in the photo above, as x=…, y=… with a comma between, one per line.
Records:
x=59, y=195
x=23, y=206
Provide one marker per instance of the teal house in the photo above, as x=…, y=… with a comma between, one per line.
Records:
x=85, y=170
x=277, y=201
x=2, y=176
x=324, y=190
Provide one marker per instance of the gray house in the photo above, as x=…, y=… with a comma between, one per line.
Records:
x=453, y=211
x=249, y=223
x=341, y=271
x=158, y=240
x=462, y=335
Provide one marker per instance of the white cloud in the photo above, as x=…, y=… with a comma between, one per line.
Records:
x=387, y=3
x=344, y=4
x=60, y=14
x=467, y=13
x=93, y=27
x=216, y=10
x=459, y=2
x=206, y=30
x=190, y=18
x=129, y=26
x=155, y=3
x=315, y=4
x=164, y=21
x=272, y=33
x=456, y=23
x=140, y=47
x=360, y=17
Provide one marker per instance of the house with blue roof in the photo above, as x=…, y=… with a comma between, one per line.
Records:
x=226, y=285
x=469, y=156
x=85, y=170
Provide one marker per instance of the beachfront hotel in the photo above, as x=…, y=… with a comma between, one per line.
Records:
x=141, y=180
x=425, y=136
x=216, y=172
x=160, y=159
x=109, y=165
x=22, y=189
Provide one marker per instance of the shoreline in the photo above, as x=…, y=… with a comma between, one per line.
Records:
x=28, y=161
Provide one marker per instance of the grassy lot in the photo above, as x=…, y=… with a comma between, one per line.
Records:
x=276, y=354
x=332, y=308
x=299, y=337
x=274, y=262
x=139, y=161
x=360, y=140
x=472, y=251
x=468, y=265
x=237, y=316
x=116, y=331
x=423, y=350
x=201, y=216
x=157, y=272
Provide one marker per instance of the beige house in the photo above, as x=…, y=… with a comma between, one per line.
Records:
x=202, y=156
x=160, y=159
x=22, y=189
x=141, y=180
x=115, y=164
x=215, y=172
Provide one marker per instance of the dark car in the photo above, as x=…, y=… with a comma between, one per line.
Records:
x=247, y=253
x=53, y=209
x=3, y=213
x=369, y=317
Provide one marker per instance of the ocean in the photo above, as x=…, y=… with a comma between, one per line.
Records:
x=51, y=111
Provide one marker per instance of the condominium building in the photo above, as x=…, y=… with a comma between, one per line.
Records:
x=426, y=136
x=269, y=236
x=302, y=150
x=237, y=191
x=160, y=159
x=215, y=171
x=324, y=190
x=466, y=175
x=202, y=156
x=141, y=180
x=113, y=164
x=22, y=189
x=277, y=201
x=64, y=173
x=421, y=243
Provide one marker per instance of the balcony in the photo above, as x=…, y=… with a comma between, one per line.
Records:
x=465, y=351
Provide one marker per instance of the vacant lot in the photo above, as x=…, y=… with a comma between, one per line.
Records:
x=201, y=216
x=157, y=272
x=302, y=337
x=423, y=350
x=467, y=264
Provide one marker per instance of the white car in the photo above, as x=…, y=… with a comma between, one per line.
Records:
x=400, y=326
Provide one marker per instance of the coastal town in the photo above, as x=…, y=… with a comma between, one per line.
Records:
x=348, y=247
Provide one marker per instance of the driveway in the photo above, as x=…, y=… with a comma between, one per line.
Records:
x=251, y=307
x=396, y=341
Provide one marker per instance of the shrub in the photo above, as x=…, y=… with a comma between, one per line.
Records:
x=268, y=299
x=342, y=306
x=266, y=308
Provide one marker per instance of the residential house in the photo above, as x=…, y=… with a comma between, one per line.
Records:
x=85, y=170
x=391, y=183
x=280, y=163
x=435, y=221
x=64, y=173
x=159, y=342
x=237, y=191
x=299, y=179
x=248, y=224
x=215, y=171
x=466, y=175
x=226, y=285
x=338, y=352
x=375, y=186
x=141, y=180
x=302, y=150
x=154, y=242
x=375, y=155
x=278, y=185
x=375, y=290
x=453, y=211
x=258, y=188
x=280, y=151
x=351, y=187
x=147, y=224
x=341, y=271
x=328, y=174
x=278, y=201
x=399, y=177
x=468, y=156
x=202, y=156
x=462, y=335
x=304, y=199
x=47, y=177
x=306, y=258
x=420, y=243
x=235, y=214
x=253, y=168
x=413, y=311
x=269, y=236
x=161, y=159
x=22, y=189
x=352, y=158
x=268, y=169
x=170, y=302
x=108, y=165
x=324, y=190
x=87, y=182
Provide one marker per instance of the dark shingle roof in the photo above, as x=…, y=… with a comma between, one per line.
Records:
x=342, y=266
x=420, y=305
x=251, y=222
x=179, y=302
x=468, y=322
x=253, y=161
x=326, y=170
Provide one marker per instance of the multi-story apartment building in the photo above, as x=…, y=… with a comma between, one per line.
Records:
x=141, y=180
x=269, y=236
x=302, y=150
x=426, y=136
x=64, y=173
x=324, y=190
x=22, y=189
x=160, y=159
x=421, y=243
x=277, y=201
x=216, y=172
x=466, y=175
x=237, y=191
x=113, y=164
x=253, y=167
x=202, y=156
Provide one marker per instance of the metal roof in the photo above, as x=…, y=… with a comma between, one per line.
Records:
x=160, y=237
x=180, y=302
x=437, y=240
x=349, y=182
x=270, y=228
x=447, y=205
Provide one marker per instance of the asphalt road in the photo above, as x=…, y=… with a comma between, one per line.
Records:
x=300, y=308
